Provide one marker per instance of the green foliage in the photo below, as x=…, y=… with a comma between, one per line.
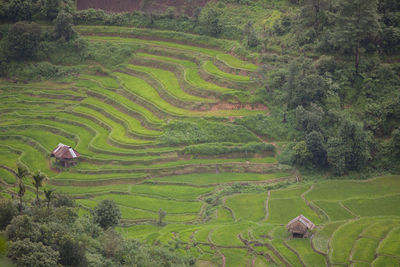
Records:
x=8, y=210
x=27, y=253
x=23, y=40
x=218, y=148
x=107, y=214
x=209, y=21
x=269, y=126
x=63, y=26
x=203, y=131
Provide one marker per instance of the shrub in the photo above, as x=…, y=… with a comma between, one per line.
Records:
x=107, y=214
x=27, y=253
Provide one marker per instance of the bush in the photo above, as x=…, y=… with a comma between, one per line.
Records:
x=107, y=214
x=23, y=39
x=7, y=212
x=27, y=253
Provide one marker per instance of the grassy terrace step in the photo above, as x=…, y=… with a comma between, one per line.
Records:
x=114, y=97
x=129, y=122
x=87, y=136
x=152, y=204
x=88, y=166
x=209, y=67
x=191, y=74
x=169, y=83
x=117, y=131
x=247, y=207
x=64, y=177
x=217, y=178
x=228, y=59
x=187, y=193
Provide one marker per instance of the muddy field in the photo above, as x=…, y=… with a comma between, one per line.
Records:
x=182, y=6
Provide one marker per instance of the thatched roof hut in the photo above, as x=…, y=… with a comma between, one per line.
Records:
x=66, y=155
x=299, y=226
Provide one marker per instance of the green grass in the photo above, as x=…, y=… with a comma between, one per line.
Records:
x=212, y=69
x=341, y=190
x=169, y=191
x=384, y=261
x=247, y=207
x=95, y=177
x=334, y=210
x=152, y=204
x=236, y=63
x=227, y=235
x=237, y=257
x=191, y=73
x=308, y=256
x=170, y=83
x=391, y=244
x=105, y=81
x=217, y=178
x=137, y=231
x=141, y=88
x=384, y=206
x=283, y=210
x=120, y=99
x=291, y=192
x=364, y=249
x=132, y=124
x=343, y=239
x=7, y=176
x=286, y=253
x=323, y=236
x=229, y=60
x=118, y=132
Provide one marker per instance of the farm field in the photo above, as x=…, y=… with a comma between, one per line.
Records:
x=131, y=125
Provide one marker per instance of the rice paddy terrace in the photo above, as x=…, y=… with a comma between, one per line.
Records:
x=120, y=122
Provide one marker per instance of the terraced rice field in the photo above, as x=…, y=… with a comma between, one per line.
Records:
x=117, y=122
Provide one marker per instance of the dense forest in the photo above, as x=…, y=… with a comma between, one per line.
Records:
x=321, y=94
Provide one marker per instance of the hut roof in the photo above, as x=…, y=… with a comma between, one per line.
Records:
x=302, y=219
x=65, y=152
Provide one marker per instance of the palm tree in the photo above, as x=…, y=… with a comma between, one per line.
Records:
x=21, y=193
x=21, y=173
x=38, y=179
x=49, y=196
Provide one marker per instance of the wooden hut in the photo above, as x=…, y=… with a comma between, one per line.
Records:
x=65, y=155
x=299, y=226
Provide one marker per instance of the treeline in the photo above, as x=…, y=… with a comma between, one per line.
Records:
x=345, y=101
x=52, y=234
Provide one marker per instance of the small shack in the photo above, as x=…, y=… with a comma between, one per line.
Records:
x=299, y=226
x=65, y=155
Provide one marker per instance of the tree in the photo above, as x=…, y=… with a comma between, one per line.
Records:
x=161, y=216
x=38, y=179
x=7, y=212
x=107, y=214
x=335, y=153
x=209, y=21
x=26, y=253
x=23, y=39
x=316, y=145
x=252, y=40
x=21, y=173
x=72, y=252
x=22, y=227
x=63, y=26
x=356, y=24
x=50, y=8
x=20, y=10
x=49, y=196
